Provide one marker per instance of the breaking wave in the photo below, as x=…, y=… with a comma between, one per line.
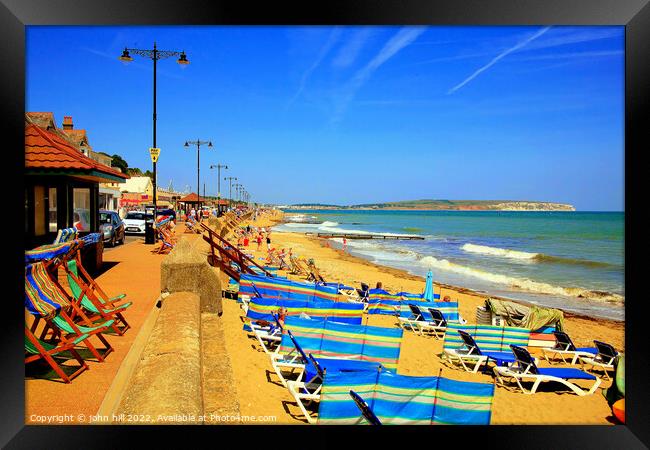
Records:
x=527, y=256
x=519, y=283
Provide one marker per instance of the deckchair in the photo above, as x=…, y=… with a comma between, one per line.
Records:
x=66, y=235
x=410, y=322
x=166, y=244
x=564, y=347
x=296, y=269
x=41, y=294
x=36, y=349
x=436, y=327
x=269, y=337
x=87, y=297
x=308, y=389
x=470, y=352
x=366, y=412
x=525, y=368
x=604, y=359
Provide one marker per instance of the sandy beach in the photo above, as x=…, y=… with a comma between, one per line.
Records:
x=261, y=395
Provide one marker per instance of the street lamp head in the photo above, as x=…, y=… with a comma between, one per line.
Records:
x=125, y=58
x=210, y=144
x=182, y=60
x=187, y=144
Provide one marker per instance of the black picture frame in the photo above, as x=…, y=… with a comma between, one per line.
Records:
x=633, y=14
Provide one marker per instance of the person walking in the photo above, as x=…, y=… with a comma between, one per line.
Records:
x=259, y=241
x=268, y=241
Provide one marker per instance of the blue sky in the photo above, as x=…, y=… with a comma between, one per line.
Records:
x=353, y=114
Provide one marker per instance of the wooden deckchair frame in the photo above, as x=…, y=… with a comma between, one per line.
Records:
x=226, y=256
x=62, y=345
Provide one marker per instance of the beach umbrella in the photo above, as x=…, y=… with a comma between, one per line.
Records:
x=428, y=289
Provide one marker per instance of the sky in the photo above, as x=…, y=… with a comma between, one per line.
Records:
x=349, y=115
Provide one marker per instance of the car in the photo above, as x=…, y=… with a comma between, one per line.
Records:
x=134, y=222
x=111, y=227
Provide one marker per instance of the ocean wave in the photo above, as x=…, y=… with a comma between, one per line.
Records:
x=528, y=256
x=496, y=251
x=311, y=225
x=519, y=283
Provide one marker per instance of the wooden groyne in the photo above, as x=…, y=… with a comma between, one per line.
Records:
x=366, y=236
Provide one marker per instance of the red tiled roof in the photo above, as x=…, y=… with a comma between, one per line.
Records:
x=46, y=150
x=191, y=198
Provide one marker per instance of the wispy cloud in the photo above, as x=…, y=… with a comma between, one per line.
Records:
x=349, y=52
x=571, y=55
x=331, y=40
x=399, y=41
x=497, y=58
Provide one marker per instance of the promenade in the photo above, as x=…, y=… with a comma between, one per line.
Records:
x=131, y=269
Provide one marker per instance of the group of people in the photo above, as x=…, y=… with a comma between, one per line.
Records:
x=253, y=234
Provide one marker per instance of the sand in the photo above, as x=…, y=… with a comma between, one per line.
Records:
x=261, y=395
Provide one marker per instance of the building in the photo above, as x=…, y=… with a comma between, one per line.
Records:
x=61, y=182
x=137, y=191
x=168, y=198
x=109, y=193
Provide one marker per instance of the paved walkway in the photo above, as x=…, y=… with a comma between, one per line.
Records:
x=132, y=269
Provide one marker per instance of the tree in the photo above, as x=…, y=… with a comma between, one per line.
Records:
x=134, y=172
x=149, y=174
x=120, y=163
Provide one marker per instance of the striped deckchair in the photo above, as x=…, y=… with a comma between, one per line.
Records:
x=329, y=339
x=66, y=235
x=404, y=400
x=50, y=251
x=283, y=289
x=260, y=308
x=44, y=300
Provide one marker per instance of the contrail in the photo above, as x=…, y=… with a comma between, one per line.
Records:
x=497, y=58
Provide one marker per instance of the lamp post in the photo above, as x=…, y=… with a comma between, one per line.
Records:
x=198, y=144
x=218, y=167
x=154, y=55
x=230, y=191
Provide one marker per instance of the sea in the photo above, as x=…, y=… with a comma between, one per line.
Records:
x=573, y=261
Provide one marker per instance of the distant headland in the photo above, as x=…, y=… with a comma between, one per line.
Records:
x=446, y=205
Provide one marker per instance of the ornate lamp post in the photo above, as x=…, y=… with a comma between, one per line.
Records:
x=154, y=55
x=218, y=167
x=230, y=191
x=198, y=144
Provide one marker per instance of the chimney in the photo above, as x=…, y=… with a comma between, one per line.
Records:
x=67, y=123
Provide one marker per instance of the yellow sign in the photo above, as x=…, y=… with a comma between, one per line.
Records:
x=154, y=152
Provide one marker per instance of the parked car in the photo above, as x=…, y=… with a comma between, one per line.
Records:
x=111, y=227
x=134, y=222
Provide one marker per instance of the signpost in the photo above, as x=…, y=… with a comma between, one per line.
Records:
x=154, y=152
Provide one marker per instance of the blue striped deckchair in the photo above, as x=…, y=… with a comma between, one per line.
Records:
x=91, y=238
x=274, y=288
x=449, y=310
x=66, y=235
x=260, y=308
x=329, y=339
x=404, y=400
x=50, y=251
x=45, y=300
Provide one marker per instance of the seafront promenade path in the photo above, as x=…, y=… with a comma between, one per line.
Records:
x=132, y=269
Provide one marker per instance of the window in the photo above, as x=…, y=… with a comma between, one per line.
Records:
x=104, y=218
x=53, y=223
x=81, y=209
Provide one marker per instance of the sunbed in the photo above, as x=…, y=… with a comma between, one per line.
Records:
x=525, y=368
x=604, y=359
x=564, y=347
x=366, y=412
x=470, y=353
x=269, y=336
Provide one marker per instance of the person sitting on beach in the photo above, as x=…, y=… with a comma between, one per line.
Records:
x=446, y=299
x=379, y=285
